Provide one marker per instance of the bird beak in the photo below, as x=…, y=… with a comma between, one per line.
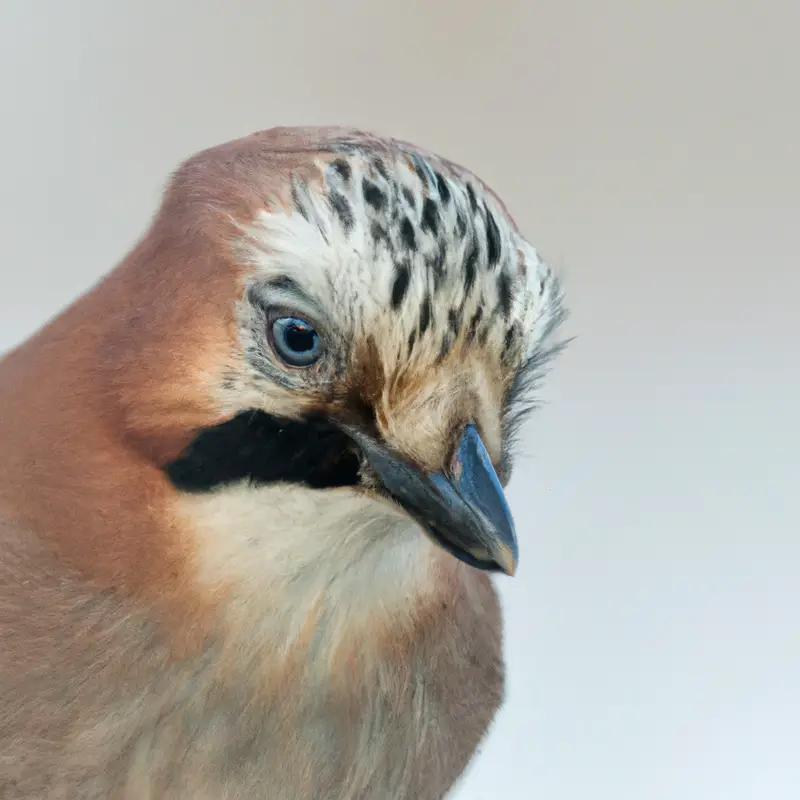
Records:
x=463, y=507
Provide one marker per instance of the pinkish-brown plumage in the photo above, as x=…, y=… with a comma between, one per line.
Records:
x=261, y=638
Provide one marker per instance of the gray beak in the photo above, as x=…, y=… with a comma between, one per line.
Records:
x=463, y=507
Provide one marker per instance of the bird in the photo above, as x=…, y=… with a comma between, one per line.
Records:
x=252, y=484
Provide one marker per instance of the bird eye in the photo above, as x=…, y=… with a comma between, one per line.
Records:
x=295, y=341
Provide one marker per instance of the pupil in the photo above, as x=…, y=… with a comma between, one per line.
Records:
x=299, y=339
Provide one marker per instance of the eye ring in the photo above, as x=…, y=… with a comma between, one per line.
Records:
x=295, y=341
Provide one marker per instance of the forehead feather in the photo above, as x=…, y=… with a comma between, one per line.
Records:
x=408, y=250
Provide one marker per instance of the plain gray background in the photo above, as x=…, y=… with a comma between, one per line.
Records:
x=649, y=149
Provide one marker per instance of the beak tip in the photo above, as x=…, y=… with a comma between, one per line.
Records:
x=506, y=560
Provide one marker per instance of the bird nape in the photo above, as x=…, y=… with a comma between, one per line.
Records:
x=251, y=485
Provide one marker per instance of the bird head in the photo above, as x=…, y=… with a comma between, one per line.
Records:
x=388, y=330
x=318, y=355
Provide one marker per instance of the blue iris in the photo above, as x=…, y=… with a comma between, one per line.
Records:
x=296, y=342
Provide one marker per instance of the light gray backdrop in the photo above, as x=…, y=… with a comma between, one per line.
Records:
x=651, y=150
